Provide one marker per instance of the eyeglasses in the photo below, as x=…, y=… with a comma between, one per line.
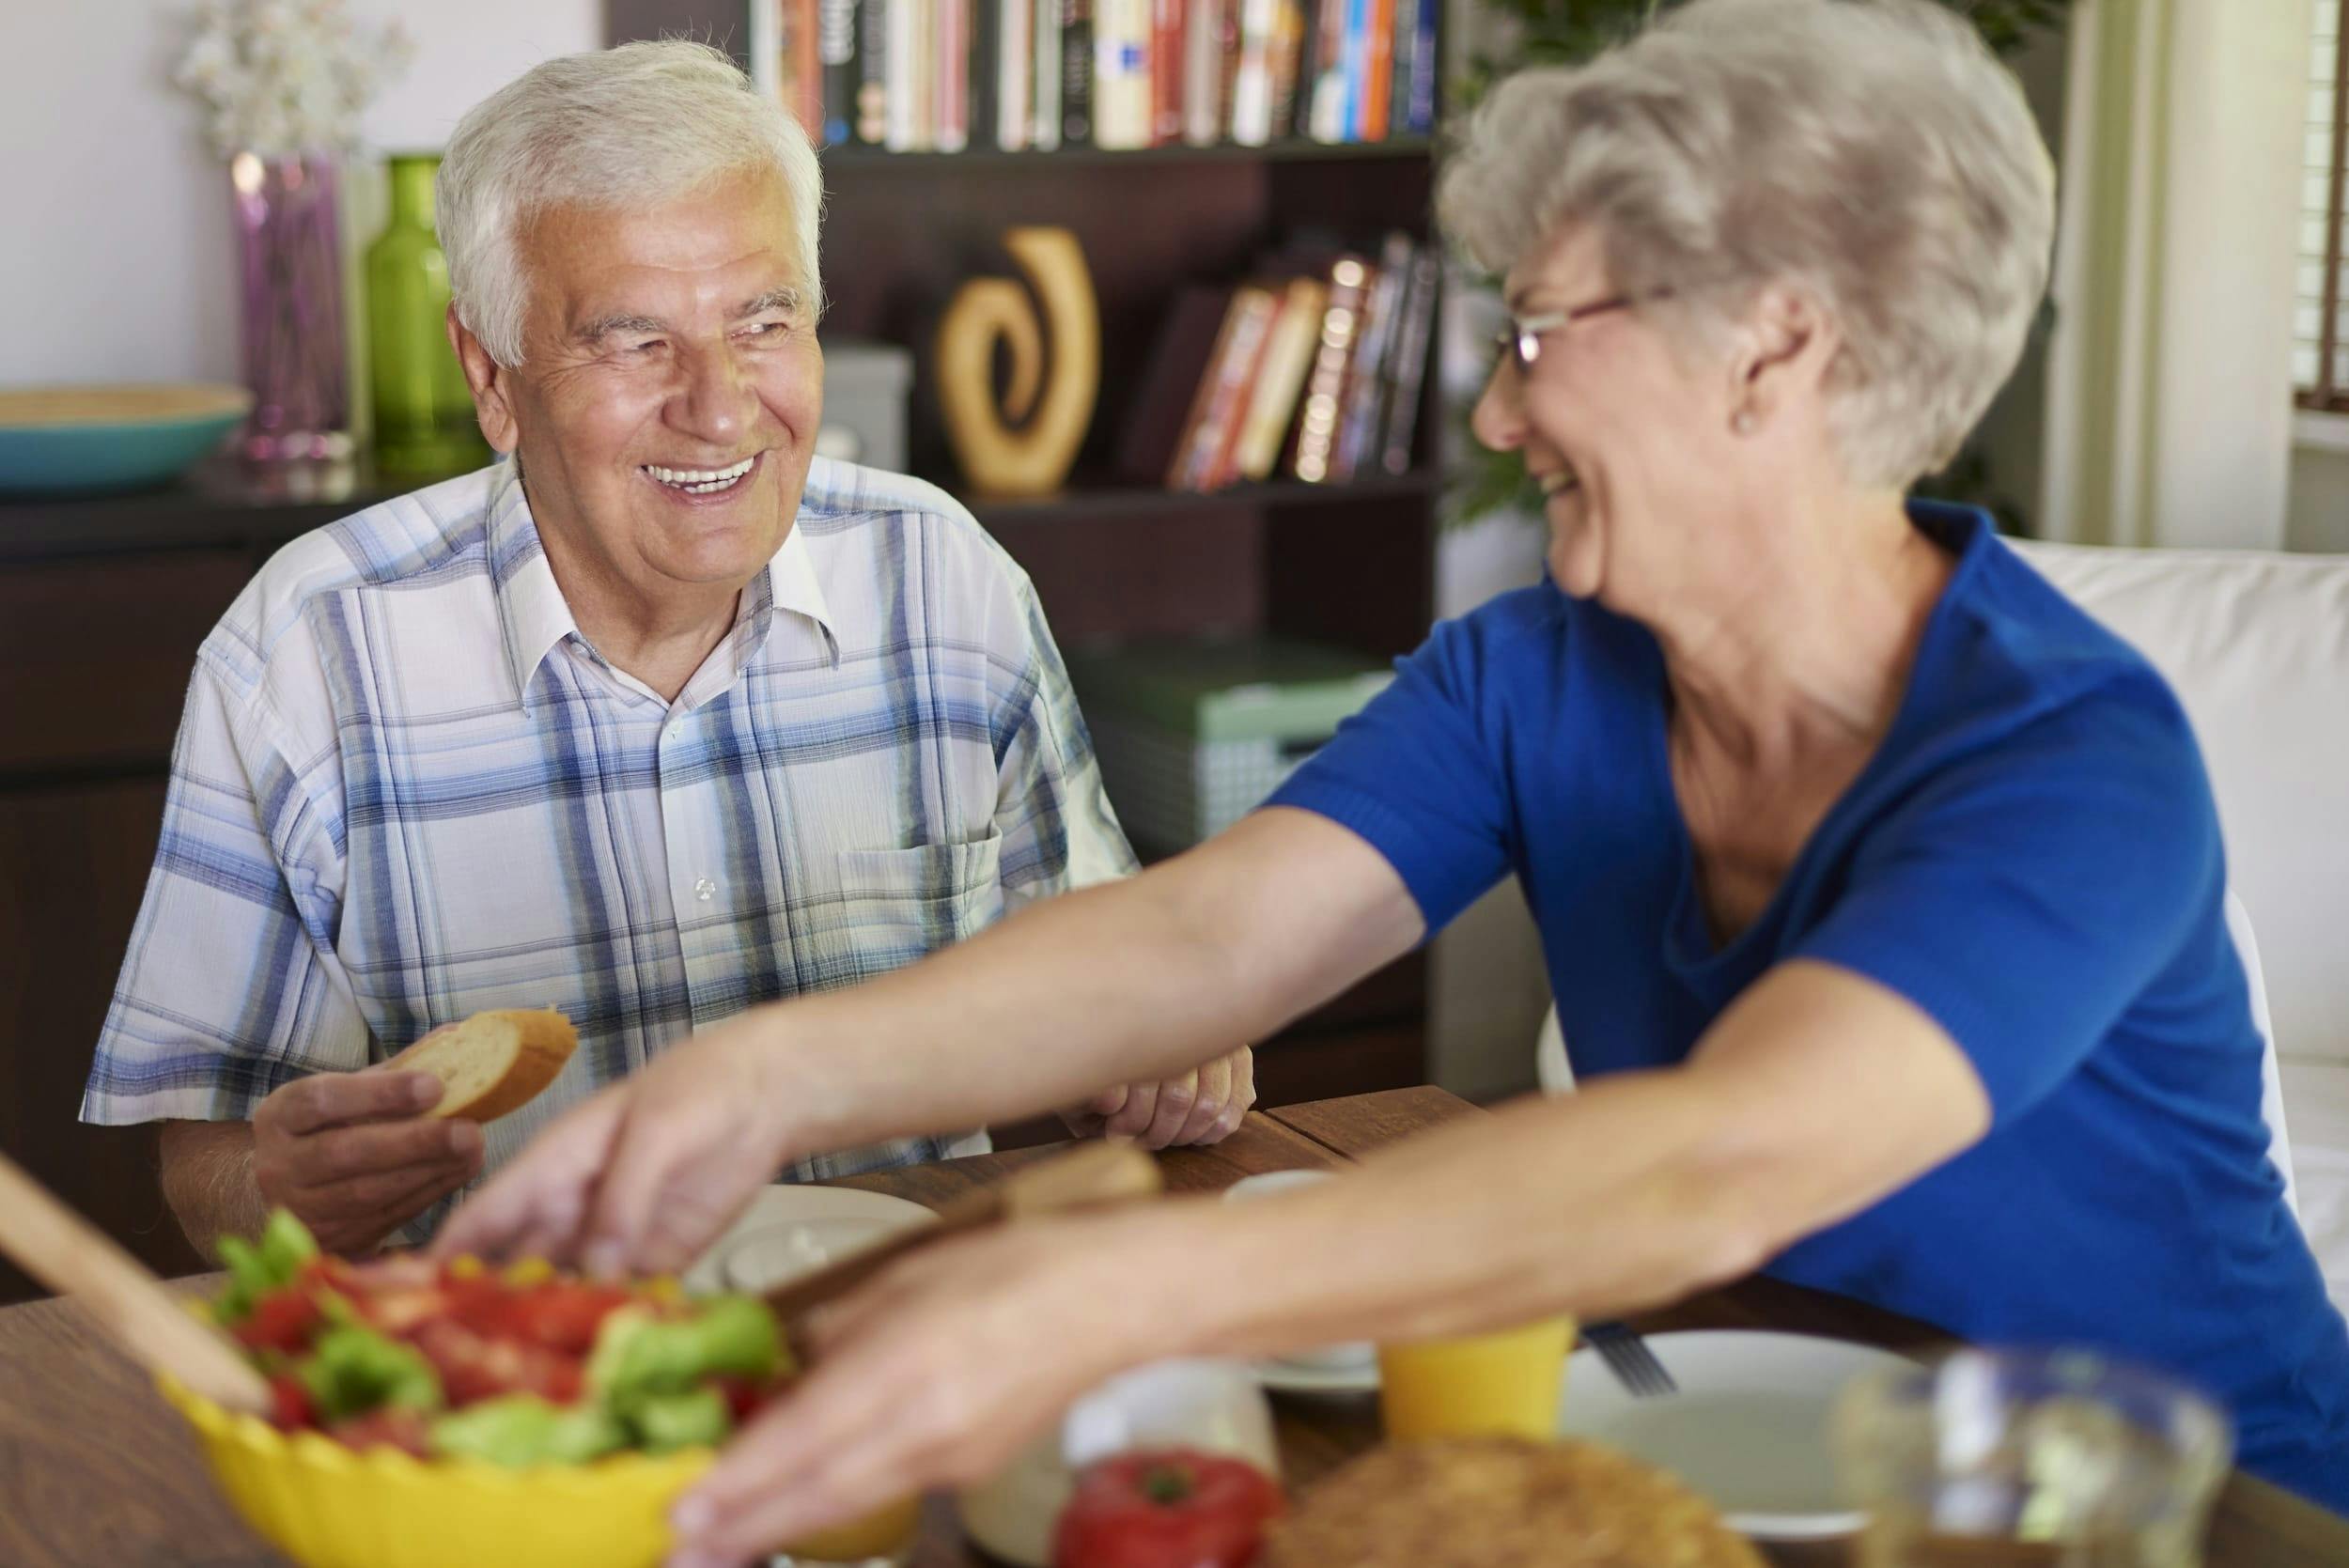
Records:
x=1521, y=342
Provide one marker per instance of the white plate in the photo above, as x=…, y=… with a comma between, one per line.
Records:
x=784, y=1203
x=1749, y=1428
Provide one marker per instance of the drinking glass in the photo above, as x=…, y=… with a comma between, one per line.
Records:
x=2061, y=1458
x=1509, y=1381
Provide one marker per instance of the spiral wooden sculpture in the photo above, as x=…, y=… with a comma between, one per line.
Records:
x=1025, y=447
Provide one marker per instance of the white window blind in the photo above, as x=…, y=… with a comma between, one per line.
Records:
x=2320, y=360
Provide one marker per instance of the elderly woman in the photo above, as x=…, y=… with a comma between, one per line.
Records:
x=1881, y=890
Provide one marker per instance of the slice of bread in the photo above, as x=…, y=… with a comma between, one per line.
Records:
x=491, y=1062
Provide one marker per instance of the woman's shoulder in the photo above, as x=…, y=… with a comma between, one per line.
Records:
x=2018, y=643
x=1535, y=636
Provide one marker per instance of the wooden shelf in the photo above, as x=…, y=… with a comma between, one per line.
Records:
x=995, y=161
x=1109, y=501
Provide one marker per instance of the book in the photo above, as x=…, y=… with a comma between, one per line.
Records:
x=1045, y=80
x=1288, y=66
x=1169, y=38
x=1202, y=73
x=1408, y=360
x=984, y=78
x=950, y=76
x=1377, y=70
x=905, y=96
x=802, y=66
x=1208, y=435
x=1170, y=380
x=1252, y=91
x=1272, y=404
x=1325, y=100
x=872, y=72
x=836, y=52
x=1416, y=65
x=1015, y=58
x=1324, y=384
x=1076, y=72
x=1122, y=107
x=1362, y=405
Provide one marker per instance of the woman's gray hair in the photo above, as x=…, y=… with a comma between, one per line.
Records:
x=1871, y=152
x=644, y=123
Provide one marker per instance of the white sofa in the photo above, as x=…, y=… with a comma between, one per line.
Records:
x=2257, y=646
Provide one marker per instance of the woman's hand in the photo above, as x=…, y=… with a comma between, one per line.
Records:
x=935, y=1374
x=644, y=1175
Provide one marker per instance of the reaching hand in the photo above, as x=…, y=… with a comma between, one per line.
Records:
x=641, y=1177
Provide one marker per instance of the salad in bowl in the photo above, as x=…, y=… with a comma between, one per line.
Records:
x=429, y=1412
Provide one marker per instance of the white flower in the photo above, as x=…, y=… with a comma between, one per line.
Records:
x=284, y=77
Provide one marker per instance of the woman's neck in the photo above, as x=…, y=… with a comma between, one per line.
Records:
x=1807, y=639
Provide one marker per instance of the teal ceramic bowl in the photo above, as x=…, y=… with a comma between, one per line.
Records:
x=90, y=440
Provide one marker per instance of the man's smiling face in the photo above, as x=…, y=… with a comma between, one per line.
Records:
x=671, y=385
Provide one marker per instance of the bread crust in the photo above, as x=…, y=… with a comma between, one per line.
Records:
x=1503, y=1502
x=545, y=1042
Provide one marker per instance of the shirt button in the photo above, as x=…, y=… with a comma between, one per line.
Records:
x=705, y=889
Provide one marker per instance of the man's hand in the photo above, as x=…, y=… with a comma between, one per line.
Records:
x=1201, y=1107
x=352, y=1157
x=644, y=1175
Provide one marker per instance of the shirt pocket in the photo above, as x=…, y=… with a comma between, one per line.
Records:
x=891, y=906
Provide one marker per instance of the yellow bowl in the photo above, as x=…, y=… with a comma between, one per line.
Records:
x=326, y=1506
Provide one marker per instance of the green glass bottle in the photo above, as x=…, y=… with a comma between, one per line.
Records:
x=424, y=415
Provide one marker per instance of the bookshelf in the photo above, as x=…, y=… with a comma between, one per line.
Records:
x=1349, y=563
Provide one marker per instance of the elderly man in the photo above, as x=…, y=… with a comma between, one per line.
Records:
x=663, y=719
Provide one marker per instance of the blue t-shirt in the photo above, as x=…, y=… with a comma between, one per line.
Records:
x=2032, y=856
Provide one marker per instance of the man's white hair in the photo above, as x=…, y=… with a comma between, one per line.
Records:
x=639, y=125
x=1871, y=152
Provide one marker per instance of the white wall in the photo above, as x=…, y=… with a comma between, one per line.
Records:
x=121, y=267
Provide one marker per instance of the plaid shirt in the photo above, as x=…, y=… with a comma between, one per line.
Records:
x=407, y=788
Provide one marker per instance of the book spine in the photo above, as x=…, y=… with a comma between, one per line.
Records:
x=1419, y=118
x=1289, y=64
x=1202, y=72
x=1361, y=414
x=1325, y=119
x=1352, y=100
x=985, y=75
x=768, y=62
x=1044, y=124
x=950, y=76
x=1318, y=424
x=1410, y=362
x=1377, y=70
x=1166, y=72
x=835, y=48
x=904, y=68
x=1122, y=74
x=807, y=66
x=1015, y=67
x=1075, y=65
x=872, y=72
x=1227, y=45
x=1251, y=92
x=1234, y=368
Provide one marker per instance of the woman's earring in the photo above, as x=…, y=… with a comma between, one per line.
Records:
x=1742, y=422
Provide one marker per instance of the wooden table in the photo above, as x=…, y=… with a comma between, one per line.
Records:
x=94, y=1468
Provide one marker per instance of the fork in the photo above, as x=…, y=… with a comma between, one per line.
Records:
x=1627, y=1356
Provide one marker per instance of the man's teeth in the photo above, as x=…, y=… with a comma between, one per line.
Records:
x=700, y=481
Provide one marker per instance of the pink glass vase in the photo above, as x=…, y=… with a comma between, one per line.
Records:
x=290, y=271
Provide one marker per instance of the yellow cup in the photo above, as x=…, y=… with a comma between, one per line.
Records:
x=1507, y=1382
